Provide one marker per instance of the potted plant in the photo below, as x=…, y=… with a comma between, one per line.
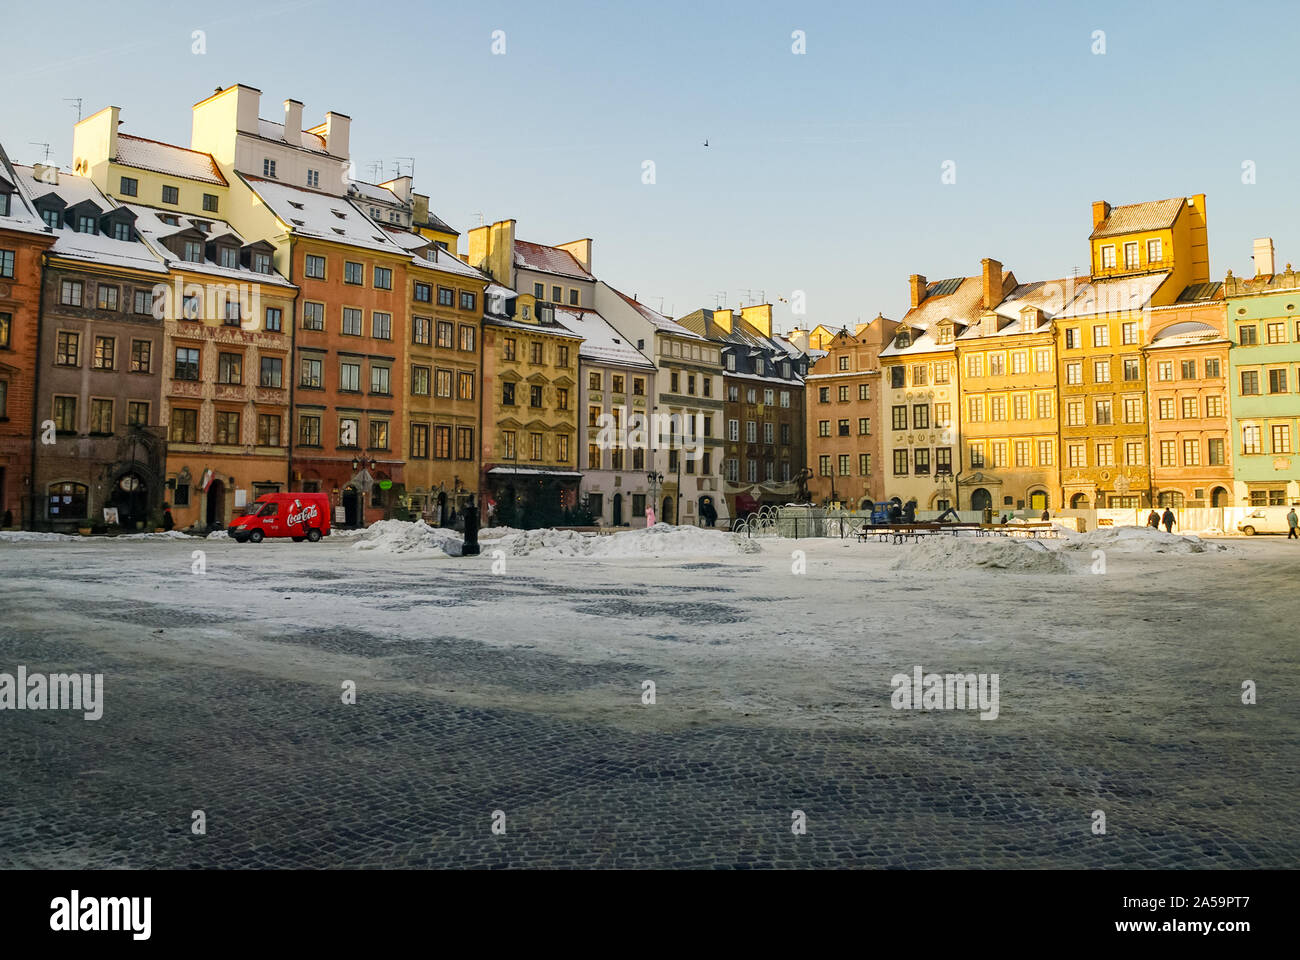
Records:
x=85, y=529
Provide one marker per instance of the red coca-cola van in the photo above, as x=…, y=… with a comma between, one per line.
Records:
x=302, y=516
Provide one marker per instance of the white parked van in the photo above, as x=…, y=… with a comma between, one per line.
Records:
x=1264, y=520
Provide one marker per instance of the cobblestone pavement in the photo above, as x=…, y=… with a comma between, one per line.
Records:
x=521, y=693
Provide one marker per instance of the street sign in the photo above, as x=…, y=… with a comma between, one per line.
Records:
x=385, y=484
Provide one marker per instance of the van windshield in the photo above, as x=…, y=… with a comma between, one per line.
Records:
x=263, y=510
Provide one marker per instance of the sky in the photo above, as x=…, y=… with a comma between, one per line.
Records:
x=824, y=170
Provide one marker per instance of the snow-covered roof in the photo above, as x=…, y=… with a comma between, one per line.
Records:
x=154, y=229
x=544, y=259
x=436, y=258
x=275, y=131
x=167, y=158
x=1186, y=334
x=372, y=191
x=601, y=343
x=22, y=214
x=95, y=247
x=663, y=323
x=311, y=214
x=1121, y=295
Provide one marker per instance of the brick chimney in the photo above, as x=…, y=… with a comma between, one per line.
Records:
x=1100, y=211
x=916, y=284
x=1263, y=254
x=992, y=282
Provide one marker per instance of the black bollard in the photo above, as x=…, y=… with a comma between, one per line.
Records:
x=470, y=516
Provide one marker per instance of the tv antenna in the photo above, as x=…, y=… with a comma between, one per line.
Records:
x=410, y=162
x=37, y=143
x=77, y=101
x=376, y=168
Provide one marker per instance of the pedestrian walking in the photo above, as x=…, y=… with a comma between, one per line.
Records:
x=1046, y=516
x=1153, y=520
x=169, y=522
x=1168, y=518
x=1292, y=521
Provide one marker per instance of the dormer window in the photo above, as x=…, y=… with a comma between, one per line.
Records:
x=5, y=204
x=229, y=257
x=339, y=213
x=168, y=219
x=261, y=263
x=904, y=339
x=193, y=251
x=86, y=224
x=268, y=167
x=122, y=231
x=51, y=218
x=295, y=204
x=202, y=225
x=945, y=333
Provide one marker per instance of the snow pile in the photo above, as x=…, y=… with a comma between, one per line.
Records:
x=1011, y=555
x=165, y=535
x=401, y=536
x=218, y=535
x=29, y=536
x=1142, y=540
x=496, y=533
x=661, y=540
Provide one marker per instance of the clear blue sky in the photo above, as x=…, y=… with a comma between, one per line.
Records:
x=822, y=172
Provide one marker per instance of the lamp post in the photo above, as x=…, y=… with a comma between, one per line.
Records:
x=941, y=478
x=655, y=480
x=362, y=463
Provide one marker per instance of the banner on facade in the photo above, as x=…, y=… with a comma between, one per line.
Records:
x=206, y=480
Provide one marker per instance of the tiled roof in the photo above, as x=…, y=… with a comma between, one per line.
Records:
x=1139, y=217
x=544, y=259
x=1201, y=291
x=167, y=158
x=960, y=300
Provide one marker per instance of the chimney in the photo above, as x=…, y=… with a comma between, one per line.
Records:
x=1100, y=211
x=46, y=173
x=799, y=337
x=916, y=283
x=402, y=187
x=759, y=317
x=335, y=130
x=992, y=282
x=293, y=122
x=581, y=250
x=723, y=318
x=1264, y=257
x=248, y=102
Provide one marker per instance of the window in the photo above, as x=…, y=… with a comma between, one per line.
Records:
x=381, y=380
x=1191, y=453
x=1153, y=252
x=1277, y=380
x=101, y=416
x=1211, y=368
x=1214, y=406
x=465, y=443
x=309, y=431
x=535, y=352
x=1275, y=332
x=1132, y=409
x=313, y=178
x=129, y=187
x=897, y=377
x=314, y=267
x=441, y=382
x=1020, y=406
x=51, y=218
x=1043, y=402
x=378, y=434
x=1132, y=368
x=446, y=297
x=900, y=463
x=268, y=167
x=1247, y=334
x=1165, y=408
x=900, y=417
x=562, y=398
x=383, y=278
x=442, y=444
x=105, y=348
x=751, y=431
x=1133, y=453
x=1074, y=373
x=539, y=291
x=232, y=313
x=268, y=429
x=466, y=338
x=381, y=326
x=1281, y=435
x=1101, y=336
x=919, y=378
x=844, y=394
x=271, y=372
x=352, y=321
x=535, y=441
x=557, y=295
x=1130, y=255
x=184, y=426
x=261, y=262
x=273, y=316
x=423, y=293
x=1215, y=451
x=171, y=195
x=141, y=356
x=844, y=466
x=227, y=427
x=70, y=293
x=467, y=301
x=311, y=373
x=230, y=368
x=1250, y=439
x=1074, y=413
x=1046, y=453
x=920, y=418
x=997, y=408
x=864, y=427
x=997, y=364
x=210, y=202
x=1022, y=453
x=1165, y=370
x=350, y=377
x=1189, y=408
x=921, y=460
x=354, y=273
x=1168, y=453
x=1076, y=455
x=561, y=356
x=1101, y=413
x=1249, y=383
x=535, y=398
x=187, y=363
x=107, y=297
x=464, y=385
x=1101, y=371
x=1108, y=257
x=975, y=409
x=313, y=316
x=420, y=441
x=1187, y=370
x=1105, y=455
x=976, y=454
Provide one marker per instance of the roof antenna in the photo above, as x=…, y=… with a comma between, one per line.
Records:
x=37, y=143
x=410, y=161
x=77, y=101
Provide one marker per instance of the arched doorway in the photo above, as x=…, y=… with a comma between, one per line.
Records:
x=618, y=510
x=351, y=501
x=980, y=499
x=1080, y=502
x=67, y=501
x=130, y=496
x=1038, y=500
x=1218, y=497
x=215, y=511
x=666, y=515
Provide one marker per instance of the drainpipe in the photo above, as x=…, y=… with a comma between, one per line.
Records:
x=36, y=394
x=293, y=378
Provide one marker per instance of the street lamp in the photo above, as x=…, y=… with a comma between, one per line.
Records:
x=358, y=464
x=655, y=480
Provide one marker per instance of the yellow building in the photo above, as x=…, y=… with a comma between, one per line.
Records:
x=1007, y=369
x=1142, y=256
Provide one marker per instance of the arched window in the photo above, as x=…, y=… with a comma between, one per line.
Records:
x=1170, y=498
x=67, y=501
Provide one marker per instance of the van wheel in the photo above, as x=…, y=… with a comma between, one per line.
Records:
x=313, y=535
x=256, y=536
x=1248, y=531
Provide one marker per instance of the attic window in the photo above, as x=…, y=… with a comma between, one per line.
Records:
x=945, y=334
x=903, y=339
x=339, y=213
x=338, y=230
x=295, y=204
x=296, y=223
x=168, y=219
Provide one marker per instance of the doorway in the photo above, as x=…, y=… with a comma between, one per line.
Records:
x=215, y=513
x=1218, y=497
x=351, y=501
x=666, y=515
x=617, y=507
x=980, y=499
x=1038, y=500
x=1080, y=502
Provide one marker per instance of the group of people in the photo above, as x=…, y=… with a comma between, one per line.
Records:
x=1167, y=518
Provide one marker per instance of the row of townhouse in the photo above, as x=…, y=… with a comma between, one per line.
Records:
x=1144, y=383
x=194, y=326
